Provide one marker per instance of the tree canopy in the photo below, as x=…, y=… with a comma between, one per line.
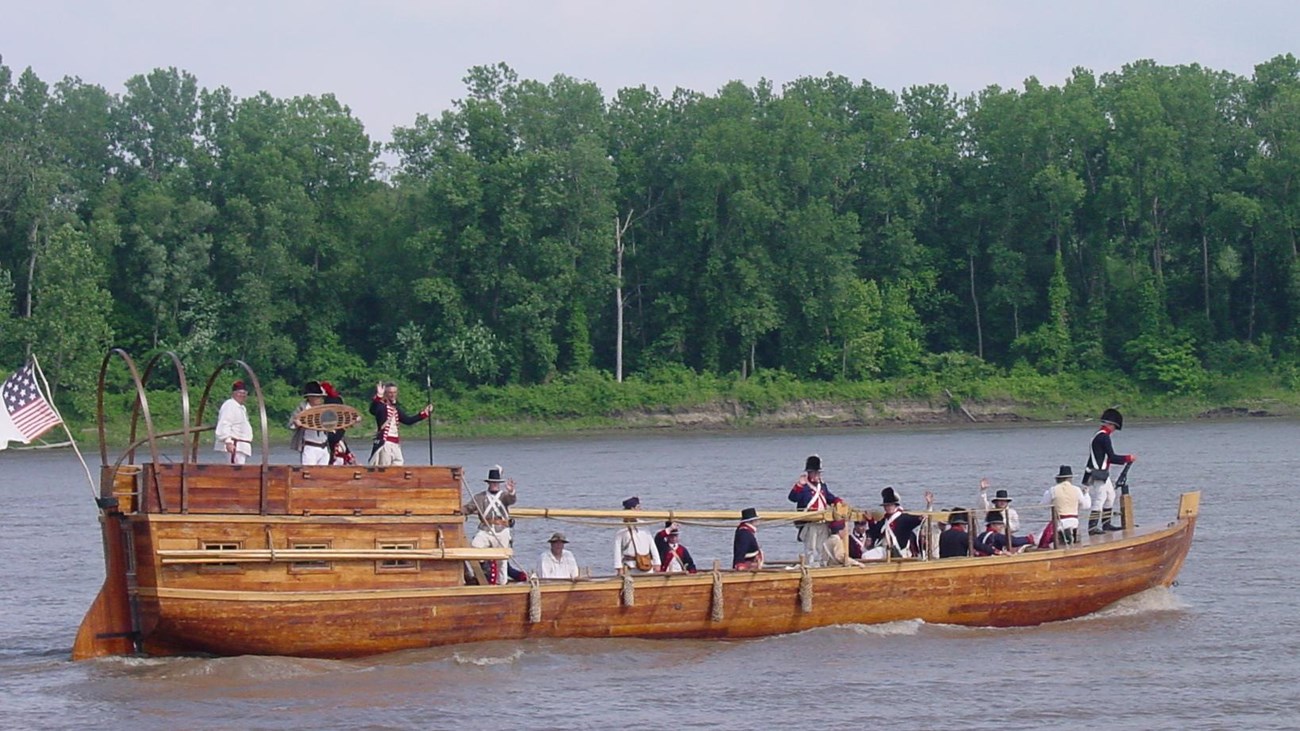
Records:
x=1143, y=220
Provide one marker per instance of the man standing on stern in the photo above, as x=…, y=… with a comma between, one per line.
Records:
x=492, y=506
x=1101, y=457
x=234, y=435
x=387, y=447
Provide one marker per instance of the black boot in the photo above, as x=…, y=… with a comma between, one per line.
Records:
x=1094, y=521
x=1107, y=517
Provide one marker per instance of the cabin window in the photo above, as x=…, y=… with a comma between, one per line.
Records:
x=221, y=566
x=309, y=566
x=397, y=565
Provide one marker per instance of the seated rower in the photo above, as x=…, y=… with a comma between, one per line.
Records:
x=955, y=541
x=859, y=539
x=834, y=552
x=676, y=559
x=557, y=563
x=746, y=555
x=993, y=541
x=1002, y=502
x=896, y=532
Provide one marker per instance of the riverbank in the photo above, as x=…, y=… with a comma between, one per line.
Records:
x=595, y=404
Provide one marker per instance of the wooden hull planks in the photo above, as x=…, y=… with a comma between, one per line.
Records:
x=1014, y=591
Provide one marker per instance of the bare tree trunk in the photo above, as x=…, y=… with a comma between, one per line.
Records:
x=621, y=226
x=32, y=239
x=1254, y=288
x=975, y=300
x=1205, y=270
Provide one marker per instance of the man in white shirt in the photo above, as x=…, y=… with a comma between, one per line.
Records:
x=634, y=545
x=1070, y=502
x=557, y=563
x=312, y=444
x=492, y=506
x=234, y=434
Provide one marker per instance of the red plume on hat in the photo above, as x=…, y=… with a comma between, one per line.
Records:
x=329, y=389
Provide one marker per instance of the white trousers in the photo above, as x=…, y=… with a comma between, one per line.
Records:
x=315, y=456
x=500, y=539
x=1104, y=497
x=388, y=454
x=814, y=535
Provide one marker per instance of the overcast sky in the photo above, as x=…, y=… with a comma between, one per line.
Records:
x=390, y=60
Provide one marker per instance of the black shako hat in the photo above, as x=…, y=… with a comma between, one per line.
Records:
x=812, y=464
x=748, y=514
x=313, y=388
x=1001, y=495
x=494, y=474
x=1112, y=416
x=631, y=503
x=1065, y=473
x=889, y=497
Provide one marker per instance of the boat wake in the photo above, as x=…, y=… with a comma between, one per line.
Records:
x=901, y=628
x=1152, y=601
x=239, y=669
x=466, y=658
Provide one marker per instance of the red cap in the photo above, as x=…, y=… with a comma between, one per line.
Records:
x=238, y=386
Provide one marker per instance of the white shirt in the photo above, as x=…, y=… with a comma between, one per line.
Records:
x=232, y=423
x=1085, y=502
x=564, y=567
x=1013, y=518
x=631, y=542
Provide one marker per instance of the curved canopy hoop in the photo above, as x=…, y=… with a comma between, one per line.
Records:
x=141, y=404
x=185, y=401
x=261, y=407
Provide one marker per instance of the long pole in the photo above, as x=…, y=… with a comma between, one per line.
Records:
x=428, y=391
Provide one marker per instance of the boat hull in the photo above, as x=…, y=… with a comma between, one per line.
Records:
x=1004, y=591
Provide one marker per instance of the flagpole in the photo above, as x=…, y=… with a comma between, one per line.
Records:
x=50, y=399
x=428, y=391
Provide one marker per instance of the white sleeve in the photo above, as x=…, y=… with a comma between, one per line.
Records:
x=654, y=554
x=225, y=424
x=984, y=498
x=618, y=551
x=1085, y=502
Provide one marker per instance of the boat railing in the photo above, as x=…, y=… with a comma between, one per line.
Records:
x=119, y=480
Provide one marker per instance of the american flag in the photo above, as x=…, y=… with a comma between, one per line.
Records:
x=26, y=406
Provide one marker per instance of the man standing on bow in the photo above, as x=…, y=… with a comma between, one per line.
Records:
x=387, y=447
x=312, y=444
x=234, y=434
x=745, y=552
x=811, y=495
x=1101, y=457
x=492, y=506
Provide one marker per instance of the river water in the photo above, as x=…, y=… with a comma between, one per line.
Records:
x=1219, y=650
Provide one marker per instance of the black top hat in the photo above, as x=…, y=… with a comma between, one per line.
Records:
x=1001, y=495
x=494, y=474
x=631, y=502
x=313, y=388
x=957, y=517
x=1112, y=416
x=994, y=516
x=1064, y=473
x=748, y=514
x=813, y=464
x=889, y=497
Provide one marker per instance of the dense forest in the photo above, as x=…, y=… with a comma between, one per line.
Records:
x=1142, y=222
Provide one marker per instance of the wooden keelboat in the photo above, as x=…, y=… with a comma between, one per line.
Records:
x=349, y=561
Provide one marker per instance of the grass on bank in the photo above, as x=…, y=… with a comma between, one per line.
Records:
x=594, y=401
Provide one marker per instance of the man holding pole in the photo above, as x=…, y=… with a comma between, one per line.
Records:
x=1101, y=456
x=492, y=506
